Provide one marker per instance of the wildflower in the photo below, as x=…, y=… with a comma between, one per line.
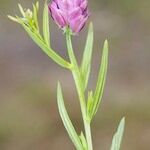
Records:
x=71, y=14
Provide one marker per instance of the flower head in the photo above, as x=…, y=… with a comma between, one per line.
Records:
x=69, y=13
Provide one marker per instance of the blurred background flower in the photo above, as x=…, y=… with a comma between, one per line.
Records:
x=29, y=117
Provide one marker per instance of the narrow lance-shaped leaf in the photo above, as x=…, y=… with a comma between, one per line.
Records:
x=46, y=32
x=117, y=138
x=39, y=41
x=33, y=32
x=83, y=140
x=66, y=120
x=35, y=14
x=89, y=105
x=101, y=81
x=21, y=10
x=13, y=18
x=86, y=60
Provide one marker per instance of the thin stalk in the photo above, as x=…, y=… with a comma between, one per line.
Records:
x=78, y=82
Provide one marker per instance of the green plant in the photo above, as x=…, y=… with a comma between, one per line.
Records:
x=89, y=106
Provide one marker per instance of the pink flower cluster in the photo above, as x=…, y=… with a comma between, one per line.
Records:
x=69, y=13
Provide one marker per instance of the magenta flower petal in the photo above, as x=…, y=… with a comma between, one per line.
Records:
x=77, y=24
x=83, y=5
x=69, y=13
x=75, y=13
x=57, y=15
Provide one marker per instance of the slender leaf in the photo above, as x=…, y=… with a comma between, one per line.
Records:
x=46, y=32
x=37, y=5
x=13, y=18
x=86, y=60
x=66, y=120
x=21, y=10
x=35, y=14
x=89, y=105
x=101, y=81
x=117, y=138
x=39, y=41
x=83, y=140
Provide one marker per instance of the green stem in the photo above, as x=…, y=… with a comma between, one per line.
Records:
x=78, y=82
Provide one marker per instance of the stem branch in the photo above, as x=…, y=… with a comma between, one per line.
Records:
x=78, y=82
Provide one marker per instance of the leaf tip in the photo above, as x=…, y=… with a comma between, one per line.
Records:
x=19, y=5
x=12, y=18
x=106, y=47
x=106, y=43
x=37, y=4
x=91, y=24
x=123, y=121
x=58, y=86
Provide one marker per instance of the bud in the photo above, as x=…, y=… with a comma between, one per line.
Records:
x=29, y=14
x=71, y=14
